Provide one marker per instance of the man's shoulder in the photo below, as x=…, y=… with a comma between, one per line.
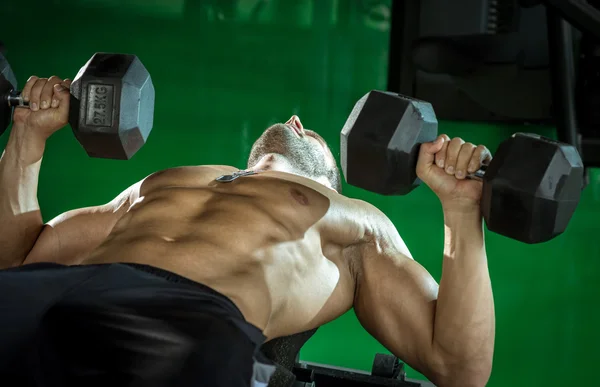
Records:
x=380, y=233
x=369, y=212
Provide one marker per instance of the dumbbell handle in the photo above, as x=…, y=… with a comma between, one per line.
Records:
x=15, y=99
x=478, y=175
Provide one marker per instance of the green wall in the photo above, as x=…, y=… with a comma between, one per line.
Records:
x=225, y=70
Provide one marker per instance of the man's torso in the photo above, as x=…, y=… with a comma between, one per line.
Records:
x=281, y=247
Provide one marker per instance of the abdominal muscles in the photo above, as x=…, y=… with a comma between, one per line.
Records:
x=259, y=245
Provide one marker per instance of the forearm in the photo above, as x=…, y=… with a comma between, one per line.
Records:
x=20, y=217
x=464, y=320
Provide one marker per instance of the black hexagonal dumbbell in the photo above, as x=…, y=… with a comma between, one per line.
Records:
x=112, y=104
x=530, y=189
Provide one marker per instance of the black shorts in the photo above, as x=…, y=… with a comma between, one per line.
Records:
x=122, y=325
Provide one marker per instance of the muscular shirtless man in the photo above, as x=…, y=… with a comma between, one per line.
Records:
x=210, y=259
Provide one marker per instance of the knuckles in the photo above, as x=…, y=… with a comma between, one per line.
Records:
x=457, y=144
x=35, y=81
x=456, y=157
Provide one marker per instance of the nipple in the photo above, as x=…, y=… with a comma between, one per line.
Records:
x=299, y=196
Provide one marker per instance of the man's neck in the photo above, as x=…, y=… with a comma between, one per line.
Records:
x=271, y=162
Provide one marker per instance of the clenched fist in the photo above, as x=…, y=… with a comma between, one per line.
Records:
x=48, y=110
x=444, y=166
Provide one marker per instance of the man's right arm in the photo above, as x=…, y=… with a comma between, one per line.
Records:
x=66, y=238
x=23, y=236
x=20, y=216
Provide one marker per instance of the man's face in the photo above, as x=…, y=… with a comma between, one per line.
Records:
x=305, y=151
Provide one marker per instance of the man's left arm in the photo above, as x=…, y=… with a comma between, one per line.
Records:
x=446, y=332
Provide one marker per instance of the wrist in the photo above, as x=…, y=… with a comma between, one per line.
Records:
x=463, y=230
x=461, y=207
x=25, y=145
x=462, y=216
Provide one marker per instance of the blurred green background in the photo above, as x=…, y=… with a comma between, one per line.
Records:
x=225, y=70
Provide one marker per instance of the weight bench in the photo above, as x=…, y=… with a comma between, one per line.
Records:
x=284, y=352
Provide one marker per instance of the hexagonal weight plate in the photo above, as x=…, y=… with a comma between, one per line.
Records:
x=381, y=139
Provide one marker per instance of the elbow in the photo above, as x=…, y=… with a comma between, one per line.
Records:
x=466, y=374
x=466, y=366
x=13, y=257
x=479, y=379
x=10, y=264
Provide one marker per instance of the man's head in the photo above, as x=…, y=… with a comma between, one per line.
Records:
x=291, y=148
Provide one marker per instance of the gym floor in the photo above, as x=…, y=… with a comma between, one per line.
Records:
x=225, y=70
